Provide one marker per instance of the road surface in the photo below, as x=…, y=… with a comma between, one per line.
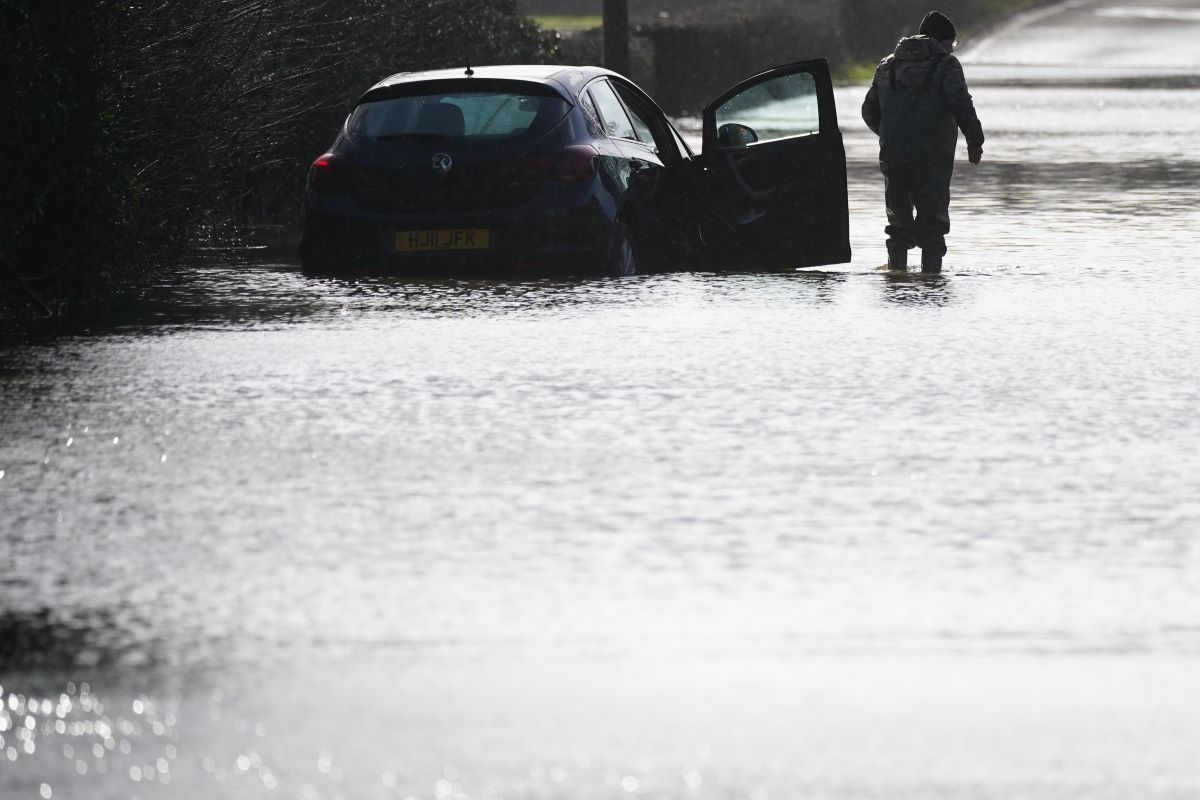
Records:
x=1152, y=41
x=820, y=534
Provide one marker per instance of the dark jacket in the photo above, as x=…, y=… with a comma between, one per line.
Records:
x=918, y=101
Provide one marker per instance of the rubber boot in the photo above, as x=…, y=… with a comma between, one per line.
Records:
x=897, y=257
x=930, y=262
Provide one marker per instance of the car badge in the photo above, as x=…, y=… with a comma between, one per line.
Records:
x=442, y=163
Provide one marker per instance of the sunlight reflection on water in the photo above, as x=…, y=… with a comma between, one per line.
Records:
x=357, y=537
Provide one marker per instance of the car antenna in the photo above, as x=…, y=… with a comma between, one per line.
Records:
x=466, y=52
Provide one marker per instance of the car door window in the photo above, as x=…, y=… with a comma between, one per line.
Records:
x=644, y=118
x=684, y=150
x=640, y=125
x=779, y=108
x=616, y=122
x=589, y=106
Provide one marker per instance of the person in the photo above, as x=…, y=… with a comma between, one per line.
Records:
x=917, y=103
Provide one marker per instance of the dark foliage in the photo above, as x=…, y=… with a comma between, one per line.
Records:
x=136, y=129
x=62, y=191
x=874, y=26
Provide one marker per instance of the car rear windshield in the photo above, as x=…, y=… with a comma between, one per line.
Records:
x=475, y=112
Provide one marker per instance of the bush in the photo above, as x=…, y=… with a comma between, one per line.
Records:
x=137, y=129
x=55, y=203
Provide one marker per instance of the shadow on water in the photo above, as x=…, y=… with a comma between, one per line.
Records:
x=239, y=295
x=450, y=298
x=917, y=289
x=1109, y=188
x=55, y=639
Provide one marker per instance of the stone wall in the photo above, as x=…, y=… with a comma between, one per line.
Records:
x=696, y=56
x=687, y=57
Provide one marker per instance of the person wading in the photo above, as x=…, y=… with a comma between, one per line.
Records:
x=917, y=103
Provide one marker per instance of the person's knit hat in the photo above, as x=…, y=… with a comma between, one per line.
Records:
x=937, y=25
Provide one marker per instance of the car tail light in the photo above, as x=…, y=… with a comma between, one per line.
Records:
x=534, y=168
x=570, y=165
x=327, y=174
x=575, y=163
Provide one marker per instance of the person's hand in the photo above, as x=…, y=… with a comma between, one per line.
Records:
x=974, y=153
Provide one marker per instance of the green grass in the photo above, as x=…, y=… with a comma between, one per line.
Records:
x=563, y=22
x=855, y=72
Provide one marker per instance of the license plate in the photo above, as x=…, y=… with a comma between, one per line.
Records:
x=453, y=239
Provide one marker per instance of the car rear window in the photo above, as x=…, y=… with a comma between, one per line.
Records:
x=473, y=114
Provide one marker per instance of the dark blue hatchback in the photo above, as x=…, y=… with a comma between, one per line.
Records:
x=575, y=170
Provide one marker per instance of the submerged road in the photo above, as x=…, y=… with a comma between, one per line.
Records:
x=821, y=534
x=1093, y=43
x=1135, y=36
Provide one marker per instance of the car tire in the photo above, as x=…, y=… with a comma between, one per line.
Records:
x=317, y=256
x=314, y=263
x=331, y=254
x=623, y=253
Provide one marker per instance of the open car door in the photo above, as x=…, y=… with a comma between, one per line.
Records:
x=774, y=179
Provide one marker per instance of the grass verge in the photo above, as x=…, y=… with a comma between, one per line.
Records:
x=564, y=22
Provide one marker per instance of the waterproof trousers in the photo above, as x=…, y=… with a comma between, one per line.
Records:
x=922, y=187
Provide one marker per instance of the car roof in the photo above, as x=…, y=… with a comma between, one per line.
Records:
x=566, y=79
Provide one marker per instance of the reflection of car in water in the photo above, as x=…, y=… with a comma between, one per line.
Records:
x=573, y=170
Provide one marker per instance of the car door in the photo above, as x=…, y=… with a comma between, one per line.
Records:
x=656, y=187
x=774, y=171
x=642, y=134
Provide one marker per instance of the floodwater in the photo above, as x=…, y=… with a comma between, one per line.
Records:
x=822, y=534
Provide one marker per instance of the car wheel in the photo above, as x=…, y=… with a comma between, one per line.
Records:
x=623, y=255
x=332, y=254
x=317, y=255
x=314, y=261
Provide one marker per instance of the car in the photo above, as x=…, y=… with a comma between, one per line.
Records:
x=575, y=170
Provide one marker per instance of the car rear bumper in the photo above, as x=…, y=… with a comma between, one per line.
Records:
x=572, y=238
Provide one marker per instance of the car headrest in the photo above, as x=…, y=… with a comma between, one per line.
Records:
x=443, y=118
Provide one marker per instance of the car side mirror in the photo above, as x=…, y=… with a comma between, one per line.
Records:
x=733, y=134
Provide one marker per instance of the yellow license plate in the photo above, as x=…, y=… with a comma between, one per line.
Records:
x=454, y=239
